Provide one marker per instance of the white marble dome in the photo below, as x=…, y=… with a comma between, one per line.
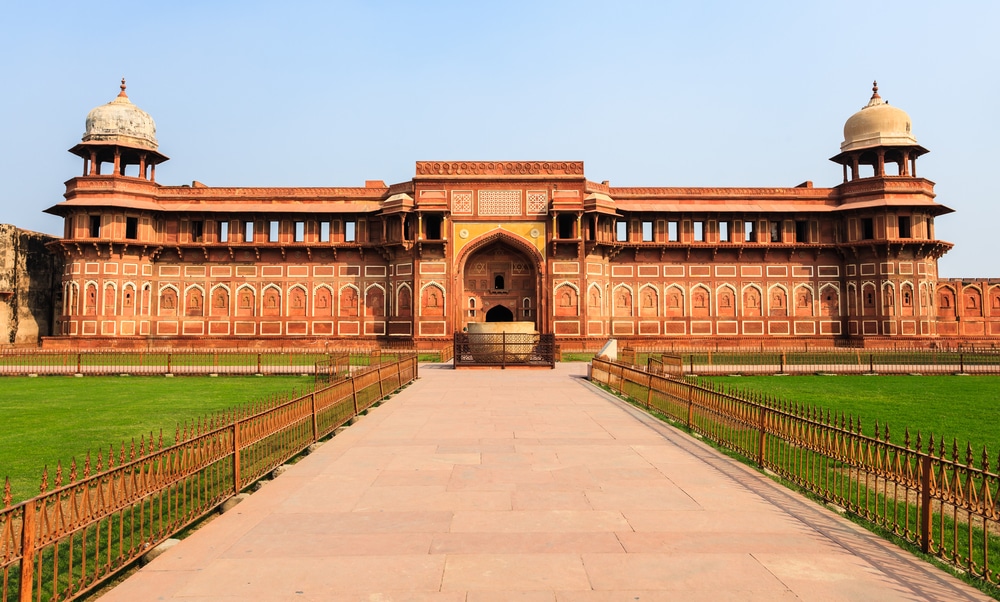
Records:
x=877, y=124
x=121, y=122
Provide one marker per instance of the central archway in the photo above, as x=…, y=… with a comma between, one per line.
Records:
x=499, y=313
x=499, y=281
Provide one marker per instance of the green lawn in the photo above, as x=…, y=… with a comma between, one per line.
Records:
x=50, y=419
x=966, y=408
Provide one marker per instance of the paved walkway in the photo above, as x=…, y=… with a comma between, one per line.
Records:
x=484, y=485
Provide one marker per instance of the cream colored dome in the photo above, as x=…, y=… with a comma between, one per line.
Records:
x=877, y=124
x=121, y=122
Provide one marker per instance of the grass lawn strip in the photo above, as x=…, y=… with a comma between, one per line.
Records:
x=966, y=409
x=53, y=419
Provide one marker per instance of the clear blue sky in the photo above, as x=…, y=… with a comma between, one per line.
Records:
x=645, y=93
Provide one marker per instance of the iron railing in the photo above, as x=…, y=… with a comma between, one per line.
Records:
x=140, y=362
x=504, y=349
x=934, y=497
x=829, y=360
x=103, y=516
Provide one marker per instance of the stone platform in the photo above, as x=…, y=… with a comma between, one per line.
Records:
x=496, y=485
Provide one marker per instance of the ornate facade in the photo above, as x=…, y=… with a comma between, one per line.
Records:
x=471, y=241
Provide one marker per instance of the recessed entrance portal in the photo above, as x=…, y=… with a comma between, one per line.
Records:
x=499, y=314
x=499, y=284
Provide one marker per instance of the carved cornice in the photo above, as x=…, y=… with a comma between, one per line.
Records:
x=726, y=193
x=500, y=168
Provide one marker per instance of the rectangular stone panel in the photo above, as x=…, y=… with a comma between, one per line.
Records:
x=867, y=269
x=805, y=328
x=649, y=271
x=163, y=328
x=108, y=327
x=218, y=328
x=111, y=268
x=322, y=328
x=802, y=271
x=829, y=327
x=755, y=327
x=751, y=271
x=595, y=328
x=566, y=327
x=168, y=271
x=622, y=271
x=727, y=328
x=594, y=269
x=869, y=327
x=92, y=268
x=246, y=271
x=193, y=328
x=725, y=271
x=348, y=328
x=374, y=271
x=147, y=270
x=777, y=271
x=127, y=328
x=829, y=271
x=906, y=268
x=887, y=268
x=649, y=327
x=673, y=271
x=908, y=327
x=271, y=271
x=699, y=271
x=194, y=271
x=701, y=327
x=778, y=327
x=221, y=271
x=297, y=328
x=244, y=328
x=565, y=267
x=298, y=271
x=674, y=327
x=622, y=328
x=375, y=328
x=349, y=270
x=432, y=329
x=400, y=328
x=433, y=267
x=270, y=328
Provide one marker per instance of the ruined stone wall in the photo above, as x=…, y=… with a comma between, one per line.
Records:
x=29, y=286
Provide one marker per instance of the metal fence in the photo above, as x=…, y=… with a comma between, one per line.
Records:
x=925, y=492
x=504, y=349
x=835, y=361
x=100, y=517
x=14, y=362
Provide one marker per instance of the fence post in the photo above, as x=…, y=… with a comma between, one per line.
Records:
x=691, y=363
x=961, y=362
x=925, y=503
x=312, y=402
x=27, y=550
x=761, y=447
x=236, y=457
x=690, y=404
x=381, y=391
x=78, y=364
x=354, y=394
x=258, y=363
x=649, y=389
x=170, y=358
x=503, y=350
x=871, y=362
x=781, y=363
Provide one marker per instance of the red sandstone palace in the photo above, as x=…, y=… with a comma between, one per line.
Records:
x=473, y=241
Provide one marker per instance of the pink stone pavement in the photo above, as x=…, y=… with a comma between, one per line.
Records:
x=488, y=485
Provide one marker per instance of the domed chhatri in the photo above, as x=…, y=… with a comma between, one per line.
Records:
x=877, y=124
x=121, y=122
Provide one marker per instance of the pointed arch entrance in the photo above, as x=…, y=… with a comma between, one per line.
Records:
x=499, y=281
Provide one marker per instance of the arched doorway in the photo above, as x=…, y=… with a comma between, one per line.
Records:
x=499, y=283
x=499, y=313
